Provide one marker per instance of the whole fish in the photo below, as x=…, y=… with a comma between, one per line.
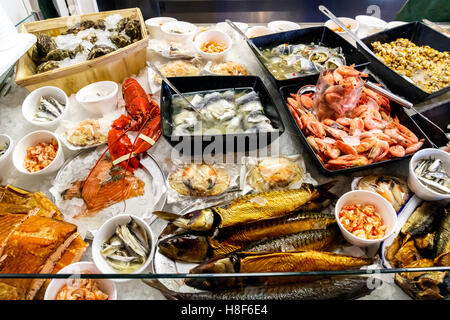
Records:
x=323, y=289
x=247, y=209
x=443, y=241
x=422, y=220
x=305, y=240
x=250, y=262
x=197, y=248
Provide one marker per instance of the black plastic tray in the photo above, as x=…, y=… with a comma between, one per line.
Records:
x=396, y=110
x=441, y=117
x=240, y=142
x=421, y=35
x=322, y=35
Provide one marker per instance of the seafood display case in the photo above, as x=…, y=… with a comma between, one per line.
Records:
x=419, y=34
x=322, y=36
x=135, y=219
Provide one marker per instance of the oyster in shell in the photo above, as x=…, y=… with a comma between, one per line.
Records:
x=133, y=29
x=98, y=51
x=122, y=23
x=120, y=40
x=44, y=44
x=58, y=55
x=47, y=66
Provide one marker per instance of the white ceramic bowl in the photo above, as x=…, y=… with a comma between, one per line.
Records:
x=258, y=31
x=31, y=103
x=394, y=24
x=179, y=31
x=32, y=139
x=369, y=25
x=106, y=231
x=230, y=31
x=354, y=26
x=154, y=25
x=93, y=103
x=4, y=159
x=282, y=26
x=106, y=285
x=420, y=189
x=383, y=207
x=213, y=35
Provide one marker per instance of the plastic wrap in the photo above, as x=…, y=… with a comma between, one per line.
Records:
x=210, y=186
x=273, y=173
x=393, y=189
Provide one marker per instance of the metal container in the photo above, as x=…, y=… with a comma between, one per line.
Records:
x=318, y=35
x=218, y=144
x=396, y=110
x=421, y=35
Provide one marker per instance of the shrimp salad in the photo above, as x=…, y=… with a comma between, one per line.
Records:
x=363, y=221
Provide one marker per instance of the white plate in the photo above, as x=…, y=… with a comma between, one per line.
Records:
x=154, y=198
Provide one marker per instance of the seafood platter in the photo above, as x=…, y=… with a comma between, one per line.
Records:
x=201, y=169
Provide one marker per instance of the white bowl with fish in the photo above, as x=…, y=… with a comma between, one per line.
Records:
x=178, y=31
x=106, y=286
x=213, y=44
x=99, y=97
x=429, y=174
x=282, y=25
x=350, y=23
x=154, y=25
x=123, y=245
x=6, y=147
x=45, y=107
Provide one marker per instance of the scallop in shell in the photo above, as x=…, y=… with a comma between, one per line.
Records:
x=274, y=173
x=199, y=180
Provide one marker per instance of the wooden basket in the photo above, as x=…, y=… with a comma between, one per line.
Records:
x=115, y=66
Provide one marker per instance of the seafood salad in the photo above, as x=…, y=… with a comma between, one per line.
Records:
x=81, y=289
x=363, y=221
x=423, y=242
x=221, y=111
x=40, y=156
x=228, y=68
x=274, y=173
x=431, y=172
x=84, y=41
x=87, y=133
x=128, y=248
x=344, y=137
x=178, y=68
x=427, y=68
x=199, y=179
x=393, y=189
x=49, y=109
x=291, y=60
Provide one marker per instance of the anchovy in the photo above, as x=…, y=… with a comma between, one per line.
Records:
x=323, y=289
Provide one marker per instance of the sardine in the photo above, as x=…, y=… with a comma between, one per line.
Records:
x=197, y=248
x=247, y=209
x=443, y=241
x=251, y=262
x=422, y=220
x=323, y=289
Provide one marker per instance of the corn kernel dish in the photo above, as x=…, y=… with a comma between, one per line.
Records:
x=429, y=69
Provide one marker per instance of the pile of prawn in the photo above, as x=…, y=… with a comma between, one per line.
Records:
x=365, y=135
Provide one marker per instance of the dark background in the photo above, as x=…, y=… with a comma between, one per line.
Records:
x=254, y=11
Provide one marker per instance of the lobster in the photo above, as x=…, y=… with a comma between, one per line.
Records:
x=142, y=116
